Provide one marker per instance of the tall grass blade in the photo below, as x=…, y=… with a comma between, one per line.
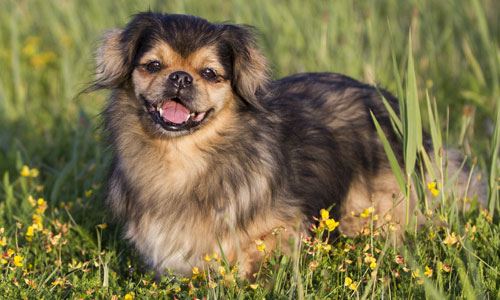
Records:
x=393, y=161
x=494, y=166
x=412, y=122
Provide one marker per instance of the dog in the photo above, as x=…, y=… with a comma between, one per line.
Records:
x=211, y=155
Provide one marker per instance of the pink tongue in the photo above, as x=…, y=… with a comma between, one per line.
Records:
x=174, y=112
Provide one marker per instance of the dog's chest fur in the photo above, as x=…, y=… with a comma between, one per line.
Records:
x=183, y=204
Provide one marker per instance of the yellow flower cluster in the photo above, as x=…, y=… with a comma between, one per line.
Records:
x=214, y=257
x=326, y=222
x=450, y=239
x=38, y=59
x=259, y=244
x=428, y=271
x=27, y=172
x=351, y=284
x=416, y=274
x=37, y=218
x=433, y=188
x=367, y=212
x=10, y=254
x=129, y=296
x=371, y=261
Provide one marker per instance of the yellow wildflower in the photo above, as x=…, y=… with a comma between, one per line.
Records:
x=347, y=281
x=325, y=215
x=486, y=214
x=432, y=185
x=88, y=193
x=195, y=271
x=331, y=224
x=102, y=226
x=3, y=241
x=34, y=172
x=31, y=46
x=428, y=271
x=371, y=261
x=129, y=296
x=212, y=285
x=58, y=282
x=261, y=247
x=37, y=222
x=40, y=60
x=433, y=188
x=450, y=239
x=42, y=206
x=216, y=256
x=352, y=285
x=25, y=171
x=254, y=286
x=3, y=261
x=18, y=260
x=222, y=270
x=30, y=283
x=30, y=232
x=207, y=258
x=367, y=212
x=32, y=201
x=10, y=252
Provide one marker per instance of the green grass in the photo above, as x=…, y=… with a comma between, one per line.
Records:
x=451, y=71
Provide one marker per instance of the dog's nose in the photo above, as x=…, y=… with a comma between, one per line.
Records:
x=180, y=79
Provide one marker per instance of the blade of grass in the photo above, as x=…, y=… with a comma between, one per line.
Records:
x=412, y=122
x=493, y=188
x=393, y=161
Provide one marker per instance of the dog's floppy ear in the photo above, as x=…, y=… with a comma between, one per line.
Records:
x=116, y=53
x=111, y=68
x=250, y=69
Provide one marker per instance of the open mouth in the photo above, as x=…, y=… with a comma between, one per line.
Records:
x=172, y=115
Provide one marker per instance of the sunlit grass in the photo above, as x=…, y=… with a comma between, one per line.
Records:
x=57, y=241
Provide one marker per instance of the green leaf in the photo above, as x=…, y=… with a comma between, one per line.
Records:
x=393, y=161
x=412, y=120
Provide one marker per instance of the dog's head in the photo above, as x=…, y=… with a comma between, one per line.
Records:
x=183, y=70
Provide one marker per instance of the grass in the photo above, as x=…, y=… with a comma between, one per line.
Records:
x=56, y=240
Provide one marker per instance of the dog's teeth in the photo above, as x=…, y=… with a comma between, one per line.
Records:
x=160, y=110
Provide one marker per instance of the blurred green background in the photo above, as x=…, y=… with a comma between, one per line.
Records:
x=46, y=59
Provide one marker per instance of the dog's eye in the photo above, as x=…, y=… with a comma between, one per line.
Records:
x=209, y=74
x=153, y=66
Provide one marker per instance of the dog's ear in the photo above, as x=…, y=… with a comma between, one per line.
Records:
x=116, y=53
x=250, y=70
x=111, y=65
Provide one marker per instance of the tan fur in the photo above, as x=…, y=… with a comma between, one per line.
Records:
x=256, y=71
x=382, y=193
x=109, y=59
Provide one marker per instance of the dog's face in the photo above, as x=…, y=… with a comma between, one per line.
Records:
x=182, y=70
